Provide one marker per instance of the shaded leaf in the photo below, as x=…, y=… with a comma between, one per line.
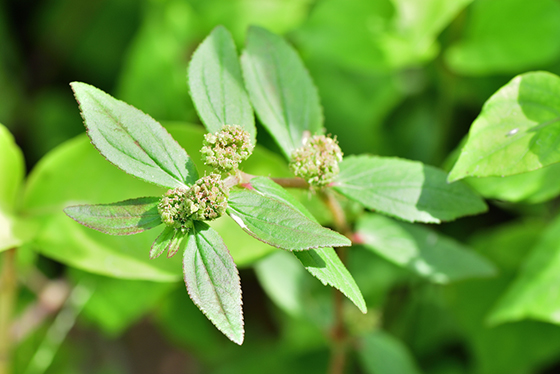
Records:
x=132, y=140
x=122, y=218
x=280, y=89
x=170, y=240
x=408, y=190
x=322, y=263
x=278, y=224
x=534, y=293
x=216, y=84
x=212, y=280
x=494, y=42
x=517, y=131
x=382, y=353
x=421, y=250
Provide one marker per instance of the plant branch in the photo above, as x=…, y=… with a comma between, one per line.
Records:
x=8, y=289
x=339, y=334
x=242, y=177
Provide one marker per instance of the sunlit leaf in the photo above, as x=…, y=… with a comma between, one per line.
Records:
x=212, y=280
x=322, y=263
x=280, y=89
x=132, y=140
x=216, y=84
x=517, y=131
x=405, y=189
x=494, y=42
x=122, y=218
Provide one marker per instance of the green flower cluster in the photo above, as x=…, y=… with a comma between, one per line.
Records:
x=317, y=161
x=227, y=148
x=206, y=200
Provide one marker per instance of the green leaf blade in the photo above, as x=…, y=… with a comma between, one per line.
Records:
x=382, y=353
x=518, y=130
x=281, y=89
x=216, y=84
x=126, y=217
x=212, y=280
x=132, y=140
x=12, y=170
x=278, y=224
x=405, y=189
x=170, y=240
x=422, y=251
x=533, y=294
x=322, y=263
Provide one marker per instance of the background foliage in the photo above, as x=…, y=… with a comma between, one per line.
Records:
x=395, y=78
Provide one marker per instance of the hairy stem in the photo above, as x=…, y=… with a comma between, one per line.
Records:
x=8, y=286
x=339, y=334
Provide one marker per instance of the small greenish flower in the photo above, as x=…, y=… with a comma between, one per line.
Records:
x=317, y=161
x=227, y=148
x=206, y=200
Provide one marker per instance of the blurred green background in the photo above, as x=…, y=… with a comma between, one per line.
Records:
x=396, y=77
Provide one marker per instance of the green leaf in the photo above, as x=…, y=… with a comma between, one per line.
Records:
x=421, y=250
x=408, y=190
x=533, y=294
x=490, y=46
x=212, y=280
x=116, y=304
x=278, y=224
x=71, y=175
x=170, y=240
x=382, y=353
x=12, y=171
x=216, y=84
x=517, y=131
x=404, y=32
x=280, y=89
x=132, y=140
x=532, y=187
x=122, y=218
x=322, y=263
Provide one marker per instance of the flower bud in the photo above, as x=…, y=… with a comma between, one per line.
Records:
x=206, y=200
x=317, y=161
x=227, y=148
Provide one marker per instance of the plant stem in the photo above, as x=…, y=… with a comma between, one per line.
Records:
x=8, y=286
x=292, y=182
x=339, y=334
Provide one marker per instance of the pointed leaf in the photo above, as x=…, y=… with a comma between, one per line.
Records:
x=216, y=84
x=170, y=240
x=517, y=131
x=132, y=140
x=122, y=218
x=405, y=189
x=213, y=281
x=280, y=89
x=421, y=250
x=322, y=263
x=278, y=224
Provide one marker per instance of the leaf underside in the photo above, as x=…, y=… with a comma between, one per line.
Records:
x=126, y=217
x=212, y=280
x=132, y=140
x=216, y=84
x=405, y=189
